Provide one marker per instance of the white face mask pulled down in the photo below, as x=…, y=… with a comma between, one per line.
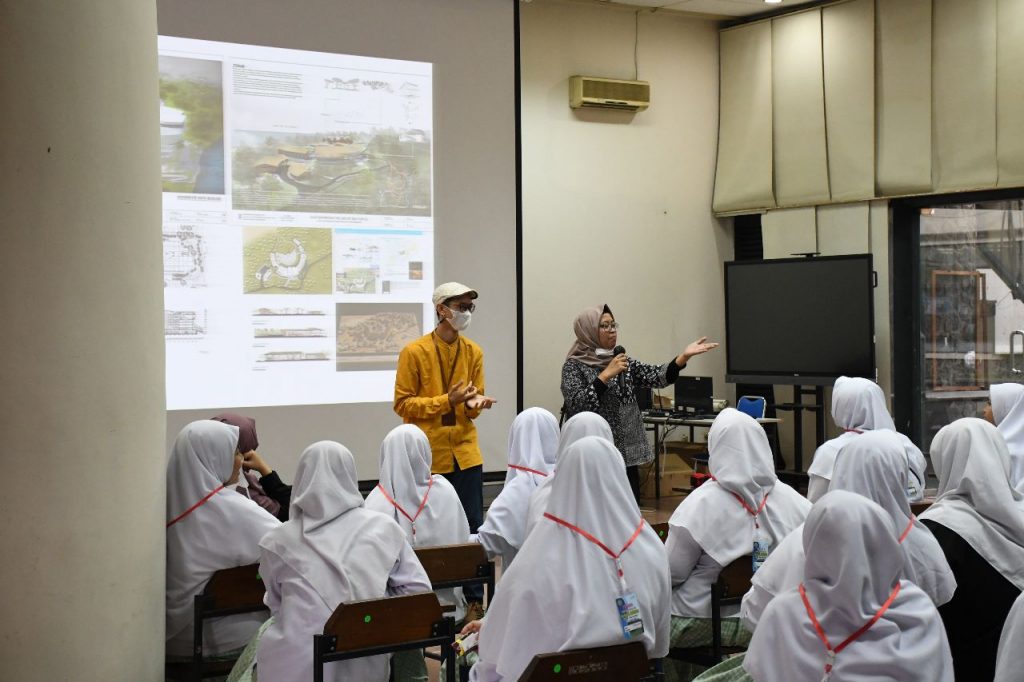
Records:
x=460, y=320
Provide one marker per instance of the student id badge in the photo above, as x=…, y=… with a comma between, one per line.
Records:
x=629, y=615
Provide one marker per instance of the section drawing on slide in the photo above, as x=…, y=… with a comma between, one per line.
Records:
x=184, y=257
x=371, y=335
x=286, y=260
x=185, y=324
x=191, y=125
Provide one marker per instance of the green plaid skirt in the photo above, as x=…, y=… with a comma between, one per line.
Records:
x=729, y=670
x=696, y=632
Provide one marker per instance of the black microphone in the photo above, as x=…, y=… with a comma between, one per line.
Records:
x=619, y=350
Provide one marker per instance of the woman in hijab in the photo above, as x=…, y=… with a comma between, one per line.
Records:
x=578, y=426
x=209, y=528
x=267, y=490
x=874, y=465
x=1007, y=401
x=858, y=406
x=720, y=522
x=852, y=619
x=532, y=444
x=596, y=379
x=332, y=550
x=564, y=590
x=425, y=506
x=978, y=519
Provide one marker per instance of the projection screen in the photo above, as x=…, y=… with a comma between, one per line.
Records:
x=324, y=164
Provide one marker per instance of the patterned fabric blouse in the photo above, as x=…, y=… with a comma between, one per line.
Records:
x=618, y=407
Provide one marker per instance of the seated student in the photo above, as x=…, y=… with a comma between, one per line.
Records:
x=425, y=506
x=852, y=618
x=874, y=466
x=331, y=551
x=1007, y=413
x=721, y=520
x=267, y=490
x=858, y=405
x=209, y=528
x=978, y=519
x=576, y=427
x=562, y=591
x=1010, y=659
x=532, y=443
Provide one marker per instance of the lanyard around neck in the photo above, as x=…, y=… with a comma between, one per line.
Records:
x=614, y=555
x=527, y=470
x=857, y=431
x=906, y=532
x=830, y=653
x=412, y=519
x=195, y=506
x=750, y=510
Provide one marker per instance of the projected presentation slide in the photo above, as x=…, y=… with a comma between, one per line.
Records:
x=298, y=223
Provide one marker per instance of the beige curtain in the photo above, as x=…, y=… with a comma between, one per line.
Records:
x=743, y=179
x=848, y=39
x=798, y=110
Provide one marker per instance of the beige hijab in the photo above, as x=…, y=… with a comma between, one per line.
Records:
x=587, y=340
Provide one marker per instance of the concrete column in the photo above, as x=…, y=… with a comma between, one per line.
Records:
x=81, y=345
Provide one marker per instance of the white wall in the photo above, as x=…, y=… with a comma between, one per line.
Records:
x=82, y=369
x=617, y=207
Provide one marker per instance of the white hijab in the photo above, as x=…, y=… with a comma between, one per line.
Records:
x=578, y=426
x=858, y=405
x=221, y=532
x=975, y=499
x=1010, y=659
x=1008, y=411
x=343, y=552
x=740, y=461
x=872, y=466
x=532, y=444
x=560, y=593
x=853, y=562
x=405, y=476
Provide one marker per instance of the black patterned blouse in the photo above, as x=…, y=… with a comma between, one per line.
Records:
x=583, y=391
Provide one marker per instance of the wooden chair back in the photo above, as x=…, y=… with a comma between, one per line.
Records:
x=235, y=588
x=662, y=530
x=734, y=580
x=916, y=508
x=618, y=663
x=383, y=622
x=453, y=563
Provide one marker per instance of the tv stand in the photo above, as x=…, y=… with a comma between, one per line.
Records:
x=797, y=407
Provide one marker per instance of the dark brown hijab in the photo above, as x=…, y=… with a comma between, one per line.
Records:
x=246, y=430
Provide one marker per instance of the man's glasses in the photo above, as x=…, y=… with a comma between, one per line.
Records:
x=464, y=308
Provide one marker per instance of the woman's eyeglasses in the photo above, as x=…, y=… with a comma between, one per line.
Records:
x=608, y=326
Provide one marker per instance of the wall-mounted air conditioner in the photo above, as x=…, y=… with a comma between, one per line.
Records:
x=608, y=93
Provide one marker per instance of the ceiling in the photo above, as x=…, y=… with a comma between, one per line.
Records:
x=724, y=8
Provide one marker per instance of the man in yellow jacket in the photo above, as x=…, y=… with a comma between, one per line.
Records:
x=439, y=387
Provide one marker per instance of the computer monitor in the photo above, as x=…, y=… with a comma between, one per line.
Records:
x=644, y=400
x=693, y=394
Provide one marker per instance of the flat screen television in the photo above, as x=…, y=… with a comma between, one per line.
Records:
x=799, y=320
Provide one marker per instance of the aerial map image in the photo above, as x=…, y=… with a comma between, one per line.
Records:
x=371, y=335
x=191, y=125
x=286, y=260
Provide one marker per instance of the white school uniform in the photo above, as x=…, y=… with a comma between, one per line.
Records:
x=330, y=551
x=406, y=482
x=576, y=427
x=561, y=592
x=858, y=406
x=872, y=466
x=532, y=445
x=1008, y=411
x=975, y=499
x=207, y=531
x=852, y=569
x=712, y=527
x=1010, y=659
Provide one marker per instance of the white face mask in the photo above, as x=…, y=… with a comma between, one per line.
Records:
x=604, y=352
x=460, y=320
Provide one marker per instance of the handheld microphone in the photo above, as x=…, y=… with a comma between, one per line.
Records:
x=619, y=350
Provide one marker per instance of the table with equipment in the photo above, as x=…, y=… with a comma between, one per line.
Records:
x=659, y=421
